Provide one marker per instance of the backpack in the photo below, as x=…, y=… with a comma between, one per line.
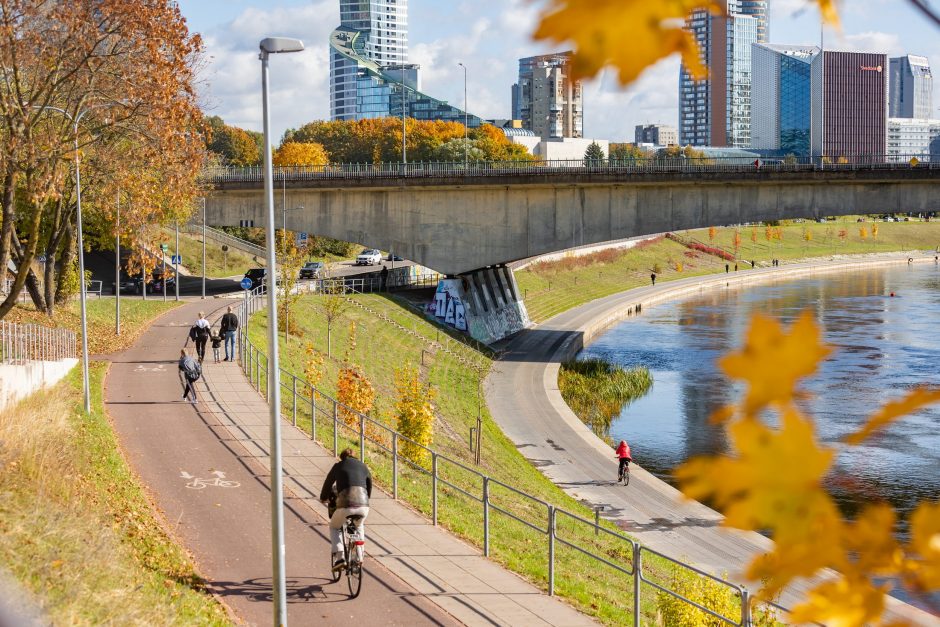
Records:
x=192, y=371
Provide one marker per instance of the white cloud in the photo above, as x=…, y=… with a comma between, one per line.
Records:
x=870, y=41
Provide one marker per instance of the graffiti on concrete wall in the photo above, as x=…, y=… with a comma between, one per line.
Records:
x=448, y=304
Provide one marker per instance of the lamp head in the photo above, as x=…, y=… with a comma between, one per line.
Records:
x=275, y=45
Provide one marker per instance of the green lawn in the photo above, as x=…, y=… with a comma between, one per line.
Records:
x=218, y=264
x=552, y=287
x=380, y=348
x=77, y=530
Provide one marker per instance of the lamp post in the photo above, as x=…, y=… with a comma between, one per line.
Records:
x=284, y=222
x=269, y=46
x=81, y=243
x=176, y=264
x=466, y=118
x=203, y=248
x=117, y=266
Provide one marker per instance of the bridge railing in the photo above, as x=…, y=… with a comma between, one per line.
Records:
x=354, y=171
x=411, y=467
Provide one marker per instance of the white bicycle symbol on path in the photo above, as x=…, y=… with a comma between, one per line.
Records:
x=198, y=483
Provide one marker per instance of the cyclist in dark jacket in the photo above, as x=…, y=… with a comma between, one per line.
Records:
x=347, y=489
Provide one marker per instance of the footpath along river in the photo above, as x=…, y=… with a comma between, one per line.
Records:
x=883, y=346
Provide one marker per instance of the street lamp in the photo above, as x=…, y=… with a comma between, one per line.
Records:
x=204, y=249
x=269, y=46
x=117, y=265
x=284, y=221
x=404, y=106
x=466, y=117
x=81, y=243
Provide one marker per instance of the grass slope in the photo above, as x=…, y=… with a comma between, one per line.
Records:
x=383, y=346
x=552, y=287
x=76, y=528
x=218, y=264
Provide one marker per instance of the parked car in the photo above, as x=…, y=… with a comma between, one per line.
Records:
x=256, y=276
x=312, y=270
x=156, y=284
x=392, y=257
x=369, y=257
x=129, y=285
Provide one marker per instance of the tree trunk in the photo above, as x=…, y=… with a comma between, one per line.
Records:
x=6, y=224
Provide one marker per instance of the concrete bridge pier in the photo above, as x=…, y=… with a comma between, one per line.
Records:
x=484, y=303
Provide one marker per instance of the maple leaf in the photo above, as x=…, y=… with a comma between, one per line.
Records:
x=925, y=544
x=773, y=360
x=871, y=538
x=627, y=34
x=915, y=399
x=845, y=602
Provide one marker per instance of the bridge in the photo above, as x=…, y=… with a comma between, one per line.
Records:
x=461, y=219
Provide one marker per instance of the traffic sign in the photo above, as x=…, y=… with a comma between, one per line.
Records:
x=301, y=238
x=177, y=259
x=164, y=247
x=246, y=283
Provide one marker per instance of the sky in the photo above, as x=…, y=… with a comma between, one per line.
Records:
x=489, y=36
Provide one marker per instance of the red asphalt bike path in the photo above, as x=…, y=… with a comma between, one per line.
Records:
x=216, y=499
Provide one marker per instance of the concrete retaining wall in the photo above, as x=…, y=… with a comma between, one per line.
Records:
x=20, y=380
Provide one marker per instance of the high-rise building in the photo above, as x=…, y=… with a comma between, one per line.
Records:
x=656, y=134
x=369, y=73
x=912, y=137
x=715, y=111
x=849, y=104
x=546, y=99
x=911, y=88
x=780, y=97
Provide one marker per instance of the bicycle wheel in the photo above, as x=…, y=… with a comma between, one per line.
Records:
x=626, y=476
x=336, y=574
x=353, y=570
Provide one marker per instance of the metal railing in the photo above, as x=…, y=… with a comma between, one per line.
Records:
x=572, y=166
x=20, y=343
x=339, y=424
x=230, y=240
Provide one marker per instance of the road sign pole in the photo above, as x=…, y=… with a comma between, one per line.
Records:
x=176, y=276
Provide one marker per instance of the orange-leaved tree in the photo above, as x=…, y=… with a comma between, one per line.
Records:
x=299, y=153
x=772, y=480
x=415, y=413
x=354, y=390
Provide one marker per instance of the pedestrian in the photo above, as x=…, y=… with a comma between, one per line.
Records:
x=189, y=371
x=199, y=333
x=727, y=268
x=384, y=275
x=735, y=267
x=753, y=264
x=227, y=328
x=653, y=278
x=216, y=340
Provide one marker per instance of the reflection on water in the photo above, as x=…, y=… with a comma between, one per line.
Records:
x=884, y=345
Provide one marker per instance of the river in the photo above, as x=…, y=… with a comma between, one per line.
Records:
x=884, y=345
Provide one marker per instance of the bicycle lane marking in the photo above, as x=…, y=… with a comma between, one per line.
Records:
x=198, y=483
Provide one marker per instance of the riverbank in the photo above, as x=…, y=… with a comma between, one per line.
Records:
x=525, y=401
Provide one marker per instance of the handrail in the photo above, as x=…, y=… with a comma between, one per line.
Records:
x=250, y=357
x=358, y=171
x=223, y=237
x=20, y=343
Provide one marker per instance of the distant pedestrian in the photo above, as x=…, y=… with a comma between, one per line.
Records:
x=384, y=275
x=753, y=264
x=653, y=278
x=216, y=340
x=199, y=333
x=735, y=267
x=727, y=268
x=227, y=328
x=189, y=371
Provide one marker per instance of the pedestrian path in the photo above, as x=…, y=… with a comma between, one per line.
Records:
x=449, y=572
x=524, y=400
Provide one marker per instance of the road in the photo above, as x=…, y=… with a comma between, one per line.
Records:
x=226, y=526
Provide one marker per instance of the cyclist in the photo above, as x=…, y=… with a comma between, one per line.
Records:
x=346, y=490
x=623, y=454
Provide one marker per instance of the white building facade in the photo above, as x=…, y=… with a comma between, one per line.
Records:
x=912, y=137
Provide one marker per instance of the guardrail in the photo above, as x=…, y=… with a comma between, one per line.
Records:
x=33, y=342
x=230, y=240
x=572, y=166
x=332, y=420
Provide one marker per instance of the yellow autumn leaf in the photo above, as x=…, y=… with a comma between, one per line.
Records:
x=914, y=400
x=924, y=566
x=871, y=539
x=630, y=35
x=844, y=602
x=773, y=360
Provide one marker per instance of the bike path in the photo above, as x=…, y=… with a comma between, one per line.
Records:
x=215, y=497
x=523, y=397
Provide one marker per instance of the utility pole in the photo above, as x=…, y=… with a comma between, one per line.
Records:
x=117, y=266
x=203, y=247
x=176, y=275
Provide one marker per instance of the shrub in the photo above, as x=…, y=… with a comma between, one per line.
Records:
x=415, y=414
x=716, y=596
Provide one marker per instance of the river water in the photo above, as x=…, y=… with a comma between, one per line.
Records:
x=883, y=346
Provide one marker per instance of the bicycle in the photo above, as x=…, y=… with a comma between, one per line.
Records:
x=353, y=554
x=623, y=474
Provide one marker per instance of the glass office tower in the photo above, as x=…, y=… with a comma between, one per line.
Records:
x=780, y=97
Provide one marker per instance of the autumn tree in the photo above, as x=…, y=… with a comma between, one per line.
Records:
x=88, y=73
x=414, y=413
x=332, y=305
x=299, y=153
x=353, y=388
x=234, y=146
x=623, y=154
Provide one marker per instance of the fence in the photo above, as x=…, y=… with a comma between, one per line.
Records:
x=230, y=240
x=574, y=166
x=332, y=422
x=20, y=343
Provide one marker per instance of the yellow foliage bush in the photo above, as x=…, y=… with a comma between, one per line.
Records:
x=355, y=392
x=415, y=414
x=719, y=598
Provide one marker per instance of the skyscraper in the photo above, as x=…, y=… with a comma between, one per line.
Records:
x=849, y=104
x=545, y=99
x=715, y=111
x=910, y=91
x=369, y=73
x=780, y=97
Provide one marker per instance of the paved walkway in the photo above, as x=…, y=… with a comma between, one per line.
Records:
x=416, y=573
x=524, y=400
